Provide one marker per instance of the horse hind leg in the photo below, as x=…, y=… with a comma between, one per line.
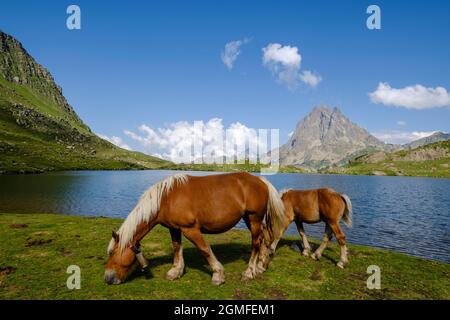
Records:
x=196, y=237
x=340, y=237
x=177, y=269
x=326, y=238
x=304, y=238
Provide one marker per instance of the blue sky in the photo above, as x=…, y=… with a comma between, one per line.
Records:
x=156, y=63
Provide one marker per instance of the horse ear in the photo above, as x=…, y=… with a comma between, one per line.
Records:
x=115, y=236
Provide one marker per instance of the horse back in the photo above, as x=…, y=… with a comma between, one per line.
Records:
x=213, y=201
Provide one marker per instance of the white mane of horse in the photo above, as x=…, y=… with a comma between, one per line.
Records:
x=145, y=210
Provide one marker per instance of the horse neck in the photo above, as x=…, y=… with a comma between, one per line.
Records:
x=142, y=229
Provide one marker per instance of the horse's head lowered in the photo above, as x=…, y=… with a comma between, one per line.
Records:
x=122, y=262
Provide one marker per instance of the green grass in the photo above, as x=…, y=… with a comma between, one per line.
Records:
x=34, y=259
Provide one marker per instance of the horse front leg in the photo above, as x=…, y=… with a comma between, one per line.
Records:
x=257, y=235
x=196, y=237
x=326, y=238
x=177, y=269
x=301, y=231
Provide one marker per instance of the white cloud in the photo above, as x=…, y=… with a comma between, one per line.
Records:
x=401, y=137
x=412, y=97
x=284, y=62
x=171, y=141
x=401, y=123
x=231, y=52
x=310, y=78
x=115, y=140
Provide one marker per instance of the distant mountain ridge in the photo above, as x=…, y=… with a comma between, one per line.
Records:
x=40, y=131
x=435, y=137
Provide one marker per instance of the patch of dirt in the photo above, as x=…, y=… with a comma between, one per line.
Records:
x=39, y=238
x=37, y=242
x=7, y=270
x=316, y=275
x=277, y=294
x=4, y=271
x=241, y=295
x=95, y=257
x=32, y=255
x=66, y=253
x=359, y=276
x=18, y=225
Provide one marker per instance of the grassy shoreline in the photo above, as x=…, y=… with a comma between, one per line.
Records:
x=36, y=249
x=239, y=167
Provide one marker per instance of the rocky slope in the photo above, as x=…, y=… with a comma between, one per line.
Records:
x=326, y=138
x=431, y=160
x=40, y=131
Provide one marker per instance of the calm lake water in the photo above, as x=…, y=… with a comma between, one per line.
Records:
x=410, y=215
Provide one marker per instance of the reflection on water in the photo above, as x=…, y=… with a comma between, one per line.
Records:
x=410, y=215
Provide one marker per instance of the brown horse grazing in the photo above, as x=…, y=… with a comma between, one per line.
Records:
x=312, y=206
x=192, y=205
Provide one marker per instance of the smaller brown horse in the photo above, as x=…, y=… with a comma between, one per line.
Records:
x=312, y=206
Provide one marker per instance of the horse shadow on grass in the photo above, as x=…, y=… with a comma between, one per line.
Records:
x=225, y=253
x=193, y=259
x=290, y=242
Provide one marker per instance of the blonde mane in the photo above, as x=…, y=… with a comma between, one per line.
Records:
x=145, y=210
x=283, y=191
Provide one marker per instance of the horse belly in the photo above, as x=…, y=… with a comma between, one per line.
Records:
x=219, y=221
x=310, y=216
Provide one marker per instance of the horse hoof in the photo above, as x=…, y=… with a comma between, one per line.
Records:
x=340, y=264
x=315, y=256
x=217, y=279
x=260, y=269
x=247, y=275
x=173, y=274
x=305, y=253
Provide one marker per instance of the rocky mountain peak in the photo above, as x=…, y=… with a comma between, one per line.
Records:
x=325, y=137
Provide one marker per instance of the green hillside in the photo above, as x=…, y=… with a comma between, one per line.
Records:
x=432, y=160
x=39, y=130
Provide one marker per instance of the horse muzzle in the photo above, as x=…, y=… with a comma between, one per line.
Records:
x=111, y=277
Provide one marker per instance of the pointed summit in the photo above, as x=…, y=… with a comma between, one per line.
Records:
x=325, y=137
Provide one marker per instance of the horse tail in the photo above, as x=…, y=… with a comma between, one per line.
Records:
x=348, y=212
x=274, y=218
